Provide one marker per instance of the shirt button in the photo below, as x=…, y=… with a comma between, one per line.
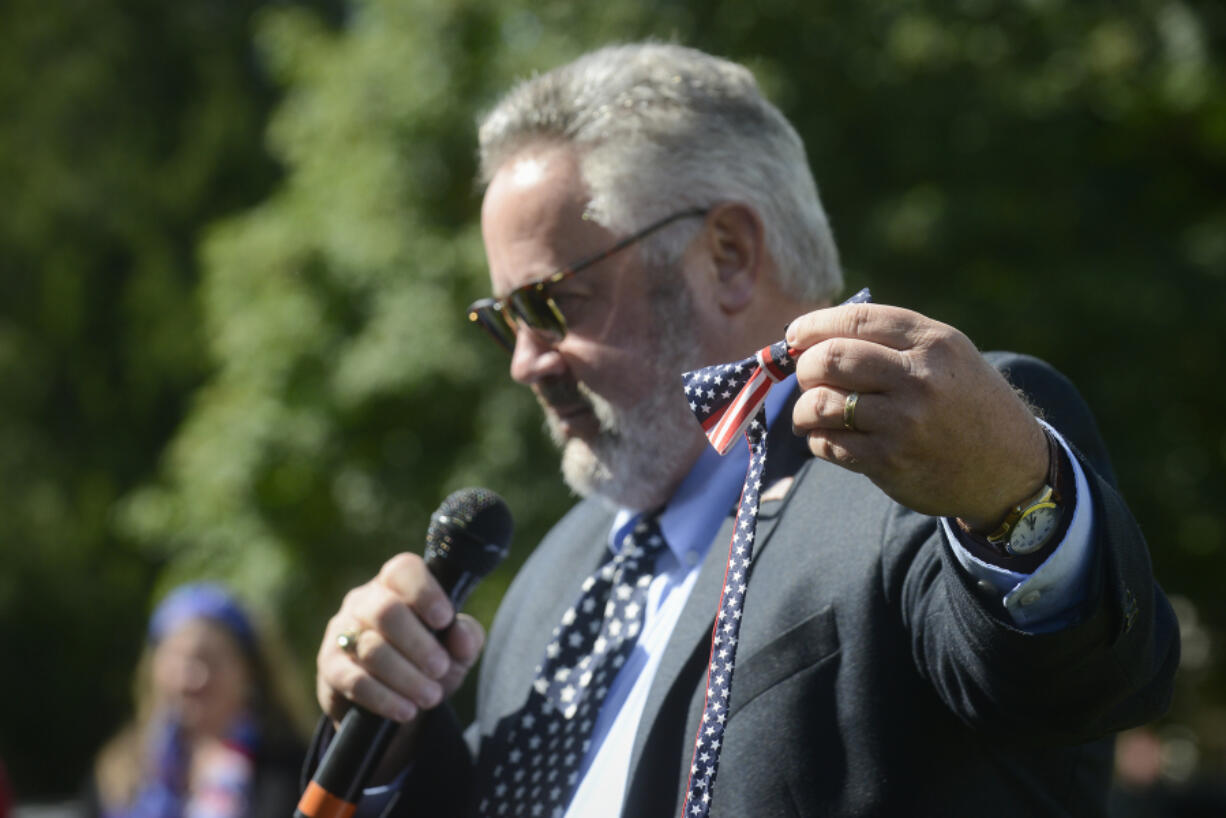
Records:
x=1030, y=597
x=985, y=587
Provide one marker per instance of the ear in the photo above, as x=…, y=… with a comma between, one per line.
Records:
x=737, y=246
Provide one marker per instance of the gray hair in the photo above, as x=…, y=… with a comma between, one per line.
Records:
x=662, y=127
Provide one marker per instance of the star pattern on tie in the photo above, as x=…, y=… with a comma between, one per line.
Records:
x=532, y=760
x=729, y=400
x=726, y=631
x=727, y=628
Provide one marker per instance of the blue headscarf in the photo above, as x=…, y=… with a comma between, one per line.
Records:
x=198, y=600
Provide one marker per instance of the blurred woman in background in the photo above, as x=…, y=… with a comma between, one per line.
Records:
x=214, y=734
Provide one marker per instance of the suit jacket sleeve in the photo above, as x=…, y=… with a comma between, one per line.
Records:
x=1110, y=670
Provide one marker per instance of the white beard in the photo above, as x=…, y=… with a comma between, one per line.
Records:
x=633, y=460
x=640, y=454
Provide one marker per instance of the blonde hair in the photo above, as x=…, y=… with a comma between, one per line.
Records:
x=280, y=704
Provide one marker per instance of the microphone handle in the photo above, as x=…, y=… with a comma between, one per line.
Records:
x=362, y=738
x=346, y=768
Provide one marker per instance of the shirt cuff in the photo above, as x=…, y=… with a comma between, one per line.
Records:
x=1049, y=598
x=377, y=801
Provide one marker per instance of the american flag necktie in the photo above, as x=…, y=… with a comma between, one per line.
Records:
x=531, y=763
x=728, y=400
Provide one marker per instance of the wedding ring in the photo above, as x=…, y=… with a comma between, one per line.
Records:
x=849, y=411
x=348, y=641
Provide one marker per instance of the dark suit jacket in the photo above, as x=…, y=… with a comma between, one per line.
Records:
x=873, y=677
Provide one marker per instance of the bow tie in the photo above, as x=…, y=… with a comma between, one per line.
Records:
x=727, y=397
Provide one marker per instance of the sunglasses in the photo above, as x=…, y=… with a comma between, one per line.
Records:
x=533, y=306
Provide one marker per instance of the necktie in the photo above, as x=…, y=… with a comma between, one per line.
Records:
x=533, y=757
x=729, y=399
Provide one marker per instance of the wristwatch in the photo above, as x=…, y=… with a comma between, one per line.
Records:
x=1031, y=524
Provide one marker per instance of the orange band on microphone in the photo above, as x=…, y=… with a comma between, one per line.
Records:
x=319, y=803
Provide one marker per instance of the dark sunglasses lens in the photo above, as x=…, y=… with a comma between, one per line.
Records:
x=537, y=311
x=489, y=314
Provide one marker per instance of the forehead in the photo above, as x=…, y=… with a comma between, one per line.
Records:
x=200, y=636
x=532, y=217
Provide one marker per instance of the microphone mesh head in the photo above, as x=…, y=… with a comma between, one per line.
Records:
x=471, y=523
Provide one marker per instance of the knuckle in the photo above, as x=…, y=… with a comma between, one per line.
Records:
x=829, y=402
x=831, y=355
x=944, y=339
x=350, y=600
x=458, y=670
x=802, y=329
x=806, y=377
x=384, y=619
x=362, y=648
x=351, y=684
x=845, y=457
x=828, y=448
x=465, y=642
x=805, y=406
x=858, y=317
x=822, y=447
x=402, y=563
x=429, y=694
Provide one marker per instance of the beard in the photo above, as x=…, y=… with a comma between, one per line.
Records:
x=632, y=460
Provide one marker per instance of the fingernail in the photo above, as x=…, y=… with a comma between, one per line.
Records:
x=437, y=665
x=432, y=696
x=404, y=712
x=787, y=334
x=439, y=615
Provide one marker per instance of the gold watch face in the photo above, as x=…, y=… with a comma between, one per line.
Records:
x=1033, y=529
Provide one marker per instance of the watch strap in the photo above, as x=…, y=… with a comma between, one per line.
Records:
x=1060, y=480
x=1049, y=491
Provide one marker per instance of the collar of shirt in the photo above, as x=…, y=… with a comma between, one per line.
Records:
x=689, y=523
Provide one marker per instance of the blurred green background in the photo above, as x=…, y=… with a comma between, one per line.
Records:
x=236, y=240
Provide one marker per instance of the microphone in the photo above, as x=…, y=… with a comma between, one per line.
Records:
x=469, y=534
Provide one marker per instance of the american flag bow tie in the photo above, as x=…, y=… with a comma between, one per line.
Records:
x=726, y=397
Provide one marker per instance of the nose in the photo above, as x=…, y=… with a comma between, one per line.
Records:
x=535, y=356
x=187, y=674
x=196, y=674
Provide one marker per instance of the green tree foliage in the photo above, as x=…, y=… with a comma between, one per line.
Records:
x=1044, y=175
x=350, y=394
x=124, y=127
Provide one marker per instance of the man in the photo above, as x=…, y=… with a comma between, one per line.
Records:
x=901, y=650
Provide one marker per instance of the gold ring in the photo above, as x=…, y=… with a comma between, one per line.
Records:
x=348, y=641
x=849, y=411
